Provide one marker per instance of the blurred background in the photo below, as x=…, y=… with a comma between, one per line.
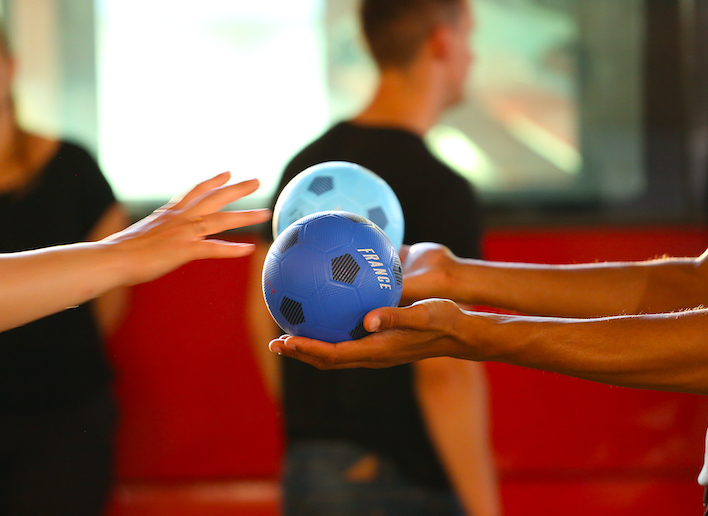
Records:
x=585, y=133
x=564, y=97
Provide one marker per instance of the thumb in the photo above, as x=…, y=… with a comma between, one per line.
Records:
x=388, y=317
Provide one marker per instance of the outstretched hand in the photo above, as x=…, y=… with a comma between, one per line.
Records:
x=177, y=233
x=423, y=330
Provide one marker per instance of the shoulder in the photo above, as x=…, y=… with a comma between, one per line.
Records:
x=74, y=166
x=324, y=143
x=323, y=148
x=74, y=159
x=72, y=150
x=437, y=176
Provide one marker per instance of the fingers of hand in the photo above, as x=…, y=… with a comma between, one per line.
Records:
x=403, y=253
x=382, y=319
x=217, y=198
x=223, y=249
x=415, y=317
x=277, y=345
x=322, y=355
x=200, y=189
x=202, y=204
x=223, y=221
x=199, y=225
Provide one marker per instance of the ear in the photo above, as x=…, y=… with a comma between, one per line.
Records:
x=13, y=68
x=440, y=41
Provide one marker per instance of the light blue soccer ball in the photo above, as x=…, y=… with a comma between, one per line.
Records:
x=340, y=185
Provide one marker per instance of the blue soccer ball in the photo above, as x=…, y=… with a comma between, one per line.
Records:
x=340, y=185
x=325, y=272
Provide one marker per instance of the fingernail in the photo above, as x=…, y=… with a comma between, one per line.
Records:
x=374, y=324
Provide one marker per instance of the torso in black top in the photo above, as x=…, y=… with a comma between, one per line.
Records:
x=378, y=408
x=58, y=360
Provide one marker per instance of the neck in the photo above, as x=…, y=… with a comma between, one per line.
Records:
x=404, y=99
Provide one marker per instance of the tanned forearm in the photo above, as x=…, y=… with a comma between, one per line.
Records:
x=588, y=290
x=659, y=351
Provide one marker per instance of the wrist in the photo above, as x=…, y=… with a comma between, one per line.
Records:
x=120, y=262
x=459, y=281
x=464, y=330
x=483, y=336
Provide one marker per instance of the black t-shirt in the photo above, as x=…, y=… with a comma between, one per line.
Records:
x=378, y=408
x=58, y=360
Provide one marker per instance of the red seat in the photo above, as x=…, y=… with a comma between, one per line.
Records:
x=193, y=405
x=212, y=498
x=199, y=434
x=568, y=446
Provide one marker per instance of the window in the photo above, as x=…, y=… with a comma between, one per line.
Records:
x=585, y=106
x=554, y=109
x=189, y=89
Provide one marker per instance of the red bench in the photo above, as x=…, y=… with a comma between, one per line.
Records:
x=200, y=435
x=567, y=446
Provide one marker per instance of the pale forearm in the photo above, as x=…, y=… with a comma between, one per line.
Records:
x=587, y=290
x=664, y=351
x=453, y=399
x=39, y=283
x=110, y=308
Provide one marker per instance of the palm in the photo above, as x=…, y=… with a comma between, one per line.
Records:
x=407, y=334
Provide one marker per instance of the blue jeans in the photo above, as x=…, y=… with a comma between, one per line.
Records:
x=337, y=478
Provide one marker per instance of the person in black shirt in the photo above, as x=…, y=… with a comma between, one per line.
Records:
x=56, y=411
x=633, y=324
x=412, y=439
x=57, y=414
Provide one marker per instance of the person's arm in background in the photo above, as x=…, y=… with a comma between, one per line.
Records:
x=585, y=290
x=34, y=284
x=261, y=325
x=109, y=308
x=453, y=394
x=453, y=397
